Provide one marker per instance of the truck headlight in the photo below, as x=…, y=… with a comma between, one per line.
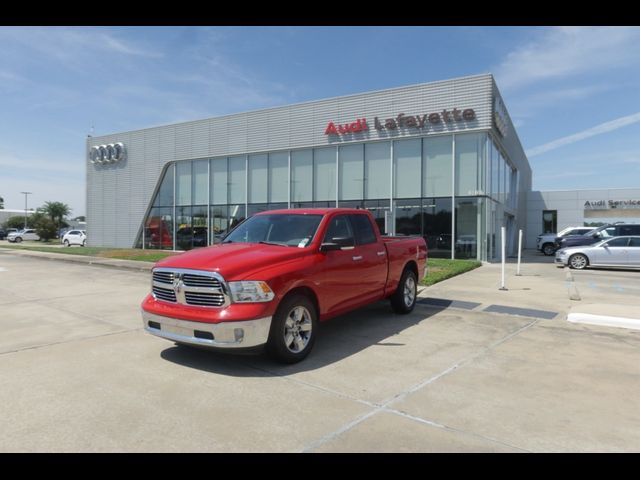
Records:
x=250, y=291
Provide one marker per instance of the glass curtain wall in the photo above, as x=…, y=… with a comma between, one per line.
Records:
x=419, y=186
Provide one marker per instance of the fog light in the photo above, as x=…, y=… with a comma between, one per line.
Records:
x=238, y=333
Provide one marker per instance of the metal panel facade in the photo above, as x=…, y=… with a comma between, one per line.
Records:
x=125, y=189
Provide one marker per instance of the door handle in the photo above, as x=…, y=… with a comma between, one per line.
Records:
x=359, y=257
x=381, y=254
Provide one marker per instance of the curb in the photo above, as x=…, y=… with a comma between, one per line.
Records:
x=604, y=320
x=134, y=265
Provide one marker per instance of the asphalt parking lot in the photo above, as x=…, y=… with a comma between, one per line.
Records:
x=79, y=373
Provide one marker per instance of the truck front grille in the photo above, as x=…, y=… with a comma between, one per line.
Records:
x=189, y=287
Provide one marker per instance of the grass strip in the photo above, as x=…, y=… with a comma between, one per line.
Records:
x=439, y=269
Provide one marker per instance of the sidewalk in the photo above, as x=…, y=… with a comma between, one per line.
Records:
x=542, y=290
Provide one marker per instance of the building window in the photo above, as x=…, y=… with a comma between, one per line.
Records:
x=279, y=177
x=301, y=176
x=407, y=166
x=438, y=157
x=219, y=181
x=549, y=221
x=200, y=184
x=470, y=157
x=183, y=183
x=324, y=174
x=258, y=179
x=237, y=179
x=351, y=164
x=164, y=197
x=377, y=162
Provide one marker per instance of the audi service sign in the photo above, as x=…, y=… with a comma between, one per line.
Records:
x=105, y=154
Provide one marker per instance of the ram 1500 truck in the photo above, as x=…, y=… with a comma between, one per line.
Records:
x=278, y=274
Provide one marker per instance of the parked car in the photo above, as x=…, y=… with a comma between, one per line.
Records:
x=546, y=242
x=597, y=234
x=28, y=234
x=612, y=252
x=3, y=234
x=278, y=274
x=74, y=237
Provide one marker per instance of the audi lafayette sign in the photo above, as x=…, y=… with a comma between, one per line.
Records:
x=106, y=154
x=402, y=121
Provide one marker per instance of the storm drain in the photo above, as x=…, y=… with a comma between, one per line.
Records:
x=525, y=312
x=443, y=302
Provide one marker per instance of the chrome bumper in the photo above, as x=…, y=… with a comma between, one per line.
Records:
x=244, y=334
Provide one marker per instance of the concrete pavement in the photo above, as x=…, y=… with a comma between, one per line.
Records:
x=79, y=374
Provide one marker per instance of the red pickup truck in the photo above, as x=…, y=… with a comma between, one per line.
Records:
x=278, y=274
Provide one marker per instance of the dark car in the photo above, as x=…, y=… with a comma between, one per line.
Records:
x=3, y=234
x=598, y=234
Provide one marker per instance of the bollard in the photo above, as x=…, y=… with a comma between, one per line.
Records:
x=503, y=234
x=519, y=251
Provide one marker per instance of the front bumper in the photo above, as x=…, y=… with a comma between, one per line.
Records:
x=228, y=335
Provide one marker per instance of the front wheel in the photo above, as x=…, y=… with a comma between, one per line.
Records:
x=18, y=239
x=548, y=249
x=578, y=261
x=404, y=298
x=66, y=243
x=293, y=330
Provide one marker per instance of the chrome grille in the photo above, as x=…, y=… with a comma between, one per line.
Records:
x=191, y=280
x=166, y=294
x=204, y=299
x=189, y=287
x=163, y=277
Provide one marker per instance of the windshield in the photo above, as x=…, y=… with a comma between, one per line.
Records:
x=290, y=230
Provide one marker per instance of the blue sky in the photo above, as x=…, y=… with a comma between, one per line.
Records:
x=573, y=93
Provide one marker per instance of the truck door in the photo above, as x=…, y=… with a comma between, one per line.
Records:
x=371, y=257
x=339, y=280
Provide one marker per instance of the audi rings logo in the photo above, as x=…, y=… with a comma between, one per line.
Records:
x=105, y=154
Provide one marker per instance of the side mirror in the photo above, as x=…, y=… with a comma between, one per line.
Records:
x=338, y=243
x=329, y=246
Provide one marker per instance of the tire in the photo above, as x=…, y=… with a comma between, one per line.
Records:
x=578, y=261
x=293, y=329
x=84, y=242
x=18, y=239
x=66, y=243
x=404, y=298
x=548, y=249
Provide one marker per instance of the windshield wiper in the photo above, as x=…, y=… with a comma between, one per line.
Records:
x=273, y=243
x=228, y=241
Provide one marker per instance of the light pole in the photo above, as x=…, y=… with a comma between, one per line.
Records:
x=25, y=208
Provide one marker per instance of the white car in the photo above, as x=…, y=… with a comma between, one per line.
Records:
x=75, y=237
x=611, y=252
x=546, y=242
x=28, y=234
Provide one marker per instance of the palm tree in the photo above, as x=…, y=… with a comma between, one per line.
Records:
x=56, y=211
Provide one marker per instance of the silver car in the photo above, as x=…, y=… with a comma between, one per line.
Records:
x=612, y=252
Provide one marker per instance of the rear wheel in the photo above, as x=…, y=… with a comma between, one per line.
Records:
x=578, y=261
x=293, y=329
x=66, y=243
x=548, y=249
x=404, y=298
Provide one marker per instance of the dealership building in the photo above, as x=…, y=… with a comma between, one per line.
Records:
x=441, y=160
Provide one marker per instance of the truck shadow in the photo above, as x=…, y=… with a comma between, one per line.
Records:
x=337, y=339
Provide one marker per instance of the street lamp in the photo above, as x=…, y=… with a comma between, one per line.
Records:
x=25, y=208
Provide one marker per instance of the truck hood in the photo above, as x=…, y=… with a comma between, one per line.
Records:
x=234, y=261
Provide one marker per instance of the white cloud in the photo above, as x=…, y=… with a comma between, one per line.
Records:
x=567, y=51
x=590, y=132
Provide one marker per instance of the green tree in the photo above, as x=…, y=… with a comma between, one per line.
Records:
x=44, y=226
x=56, y=211
x=1, y=203
x=18, y=222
